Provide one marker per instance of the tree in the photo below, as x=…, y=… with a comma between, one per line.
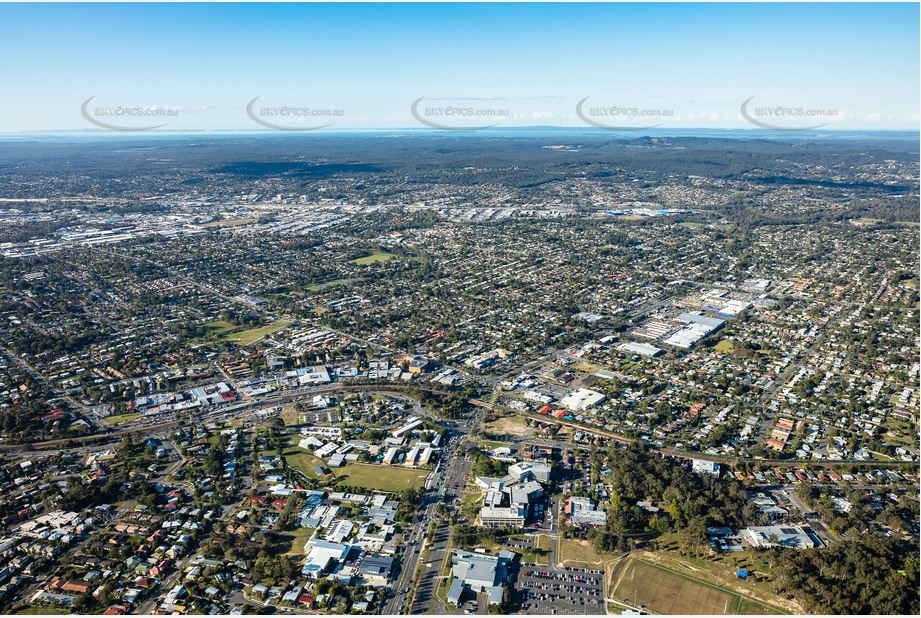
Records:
x=694, y=536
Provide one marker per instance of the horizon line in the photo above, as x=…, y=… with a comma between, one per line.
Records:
x=326, y=130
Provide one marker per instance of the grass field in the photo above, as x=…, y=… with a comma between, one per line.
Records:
x=544, y=543
x=384, y=478
x=300, y=459
x=374, y=258
x=471, y=501
x=120, y=419
x=290, y=416
x=666, y=591
x=36, y=610
x=225, y=331
x=588, y=367
x=292, y=543
x=317, y=287
x=252, y=335
x=724, y=346
x=491, y=444
x=581, y=554
x=219, y=328
x=721, y=571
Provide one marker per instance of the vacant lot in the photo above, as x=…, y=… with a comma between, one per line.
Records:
x=383, y=478
x=581, y=554
x=290, y=416
x=120, y=419
x=292, y=543
x=510, y=425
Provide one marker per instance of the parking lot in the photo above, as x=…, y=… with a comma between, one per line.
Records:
x=542, y=590
x=519, y=543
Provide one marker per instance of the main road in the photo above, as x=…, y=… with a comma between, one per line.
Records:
x=438, y=489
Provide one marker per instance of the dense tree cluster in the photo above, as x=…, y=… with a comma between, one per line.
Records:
x=468, y=537
x=864, y=575
x=691, y=502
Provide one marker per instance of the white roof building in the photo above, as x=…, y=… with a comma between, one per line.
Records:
x=539, y=471
x=640, y=348
x=582, y=399
x=582, y=512
x=780, y=536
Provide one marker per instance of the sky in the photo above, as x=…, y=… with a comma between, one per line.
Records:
x=196, y=67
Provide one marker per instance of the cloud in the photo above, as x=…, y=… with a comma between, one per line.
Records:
x=874, y=117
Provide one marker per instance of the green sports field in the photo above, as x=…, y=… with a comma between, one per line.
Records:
x=665, y=592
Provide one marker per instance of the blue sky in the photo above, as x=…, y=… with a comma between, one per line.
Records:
x=851, y=66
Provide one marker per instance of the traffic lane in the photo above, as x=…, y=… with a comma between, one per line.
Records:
x=425, y=592
x=413, y=553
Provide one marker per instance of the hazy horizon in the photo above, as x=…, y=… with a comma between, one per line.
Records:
x=232, y=67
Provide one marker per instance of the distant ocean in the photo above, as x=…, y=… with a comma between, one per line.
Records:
x=518, y=132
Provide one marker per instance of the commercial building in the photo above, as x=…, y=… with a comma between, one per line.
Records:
x=376, y=569
x=582, y=512
x=508, y=506
x=733, y=308
x=526, y=470
x=312, y=375
x=696, y=318
x=643, y=349
x=479, y=573
x=795, y=537
x=582, y=399
x=322, y=556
